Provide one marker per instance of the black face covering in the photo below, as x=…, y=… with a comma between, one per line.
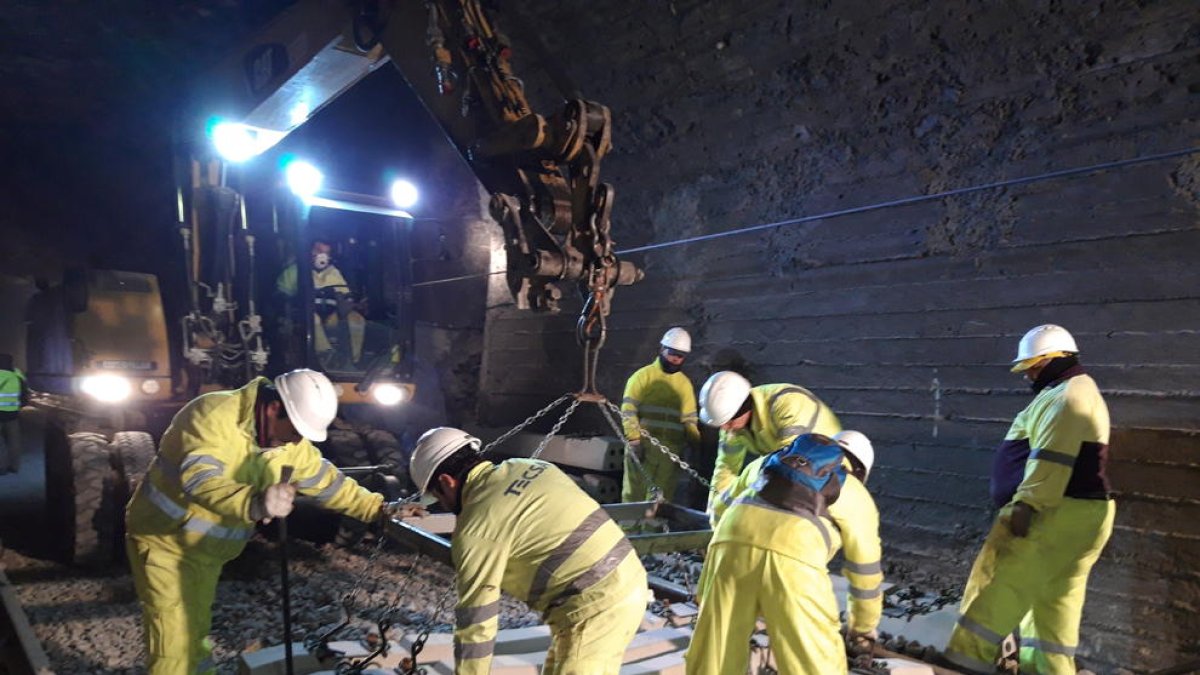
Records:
x=1057, y=369
x=668, y=367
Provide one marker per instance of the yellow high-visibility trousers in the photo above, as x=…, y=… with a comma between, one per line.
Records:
x=176, y=592
x=658, y=467
x=1037, y=582
x=741, y=583
x=595, y=644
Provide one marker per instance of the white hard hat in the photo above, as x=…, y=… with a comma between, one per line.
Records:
x=722, y=396
x=310, y=400
x=1042, y=341
x=677, y=339
x=433, y=448
x=857, y=444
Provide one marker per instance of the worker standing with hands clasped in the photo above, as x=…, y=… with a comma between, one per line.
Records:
x=660, y=399
x=1056, y=514
x=759, y=420
x=524, y=527
x=217, y=473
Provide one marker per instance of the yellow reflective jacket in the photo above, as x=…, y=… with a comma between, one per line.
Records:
x=527, y=529
x=781, y=413
x=1057, y=447
x=663, y=403
x=12, y=390
x=330, y=277
x=857, y=520
x=196, y=495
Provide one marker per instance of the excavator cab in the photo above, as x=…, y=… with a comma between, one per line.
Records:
x=349, y=314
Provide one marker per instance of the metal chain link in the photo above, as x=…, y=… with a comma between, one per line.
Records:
x=426, y=629
x=555, y=429
x=520, y=427
x=682, y=463
x=653, y=489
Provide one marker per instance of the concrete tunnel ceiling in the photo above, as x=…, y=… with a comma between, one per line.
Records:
x=731, y=114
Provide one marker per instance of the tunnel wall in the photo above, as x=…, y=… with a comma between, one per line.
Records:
x=904, y=319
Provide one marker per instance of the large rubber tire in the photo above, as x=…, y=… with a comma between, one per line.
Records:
x=133, y=451
x=94, y=496
x=346, y=448
x=385, y=448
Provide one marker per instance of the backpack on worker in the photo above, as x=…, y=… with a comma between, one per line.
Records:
x=806, y=476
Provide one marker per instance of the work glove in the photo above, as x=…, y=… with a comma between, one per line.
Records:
x=636, y=448
x=400, y=510
x=274, y=502
x=1020, y=519
x=861, y=644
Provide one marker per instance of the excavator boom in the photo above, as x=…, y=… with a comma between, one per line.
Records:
x=542, y=170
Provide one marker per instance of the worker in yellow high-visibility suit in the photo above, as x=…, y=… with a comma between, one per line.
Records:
x=857, y=520
x=759, y=420
x=217, y=473
x=331, y=299
x=1049, y=478
x=14, y=393
x=660, y=399
x=524, y=527
x=766, y=560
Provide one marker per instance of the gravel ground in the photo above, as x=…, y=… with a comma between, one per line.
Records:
x=92, y=624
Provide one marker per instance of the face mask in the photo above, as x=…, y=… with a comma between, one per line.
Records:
x=668, y=367
x=320, y=261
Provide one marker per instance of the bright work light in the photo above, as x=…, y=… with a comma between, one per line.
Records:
x=404, y=194
x=389, y=394
x=303, y=179
x=235, y=142
x=106, y=388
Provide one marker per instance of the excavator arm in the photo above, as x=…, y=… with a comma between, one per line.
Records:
x=542, y=170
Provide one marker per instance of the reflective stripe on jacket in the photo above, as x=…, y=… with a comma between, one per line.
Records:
x=781, y=413
x=1056, y=447
x=209, y=467
x=663, y=403
x=12, y=385
x=527, y=529
x=857, y=522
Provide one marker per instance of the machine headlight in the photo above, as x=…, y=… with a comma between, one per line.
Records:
x=150, y=387
x=106, y=388
x=404, y=194
x=303, y=179
x=389, y=394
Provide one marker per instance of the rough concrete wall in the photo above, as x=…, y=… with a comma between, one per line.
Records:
x=736, y=113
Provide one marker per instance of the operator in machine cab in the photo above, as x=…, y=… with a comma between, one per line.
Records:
x=219, y=470
x=525, y=527
x=332, y=303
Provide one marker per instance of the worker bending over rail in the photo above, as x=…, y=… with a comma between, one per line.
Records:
x=217, y=473
x=525, y=527
x=1049, y=478
x=804, y=616
x=759, y=420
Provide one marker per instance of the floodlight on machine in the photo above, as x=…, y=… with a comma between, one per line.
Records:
x=237, y=142
x=404, y=194
x=389, y=394
x=303, y=179
x=106, y=388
